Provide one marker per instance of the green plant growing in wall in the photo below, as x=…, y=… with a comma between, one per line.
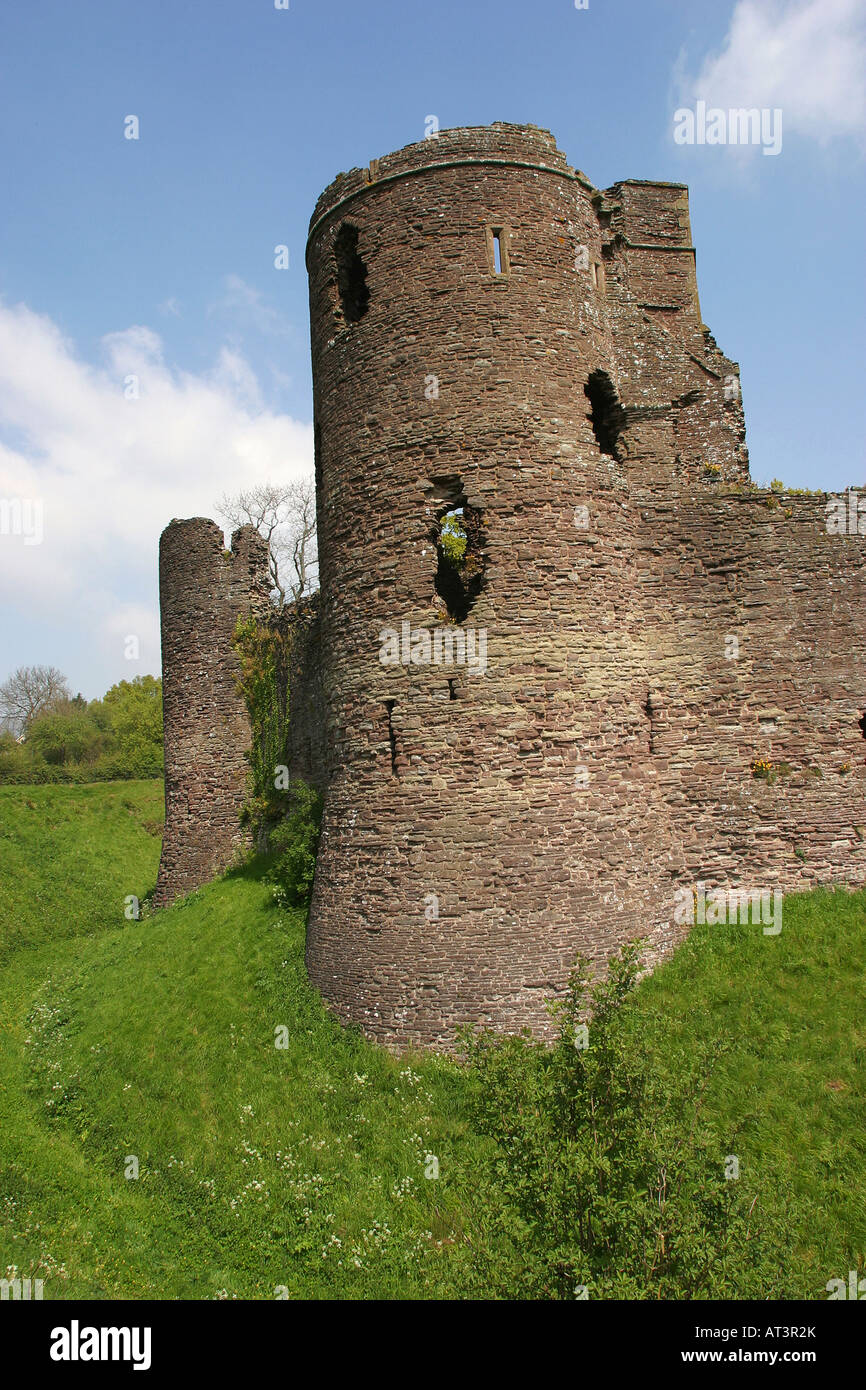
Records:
x=762, y=768
x=263, y=650
x=284, y=814
x=295, y=842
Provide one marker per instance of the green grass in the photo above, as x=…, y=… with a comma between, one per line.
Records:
x=301, y=1166
x=304, y=1166
x=71, y=855
x=789, y=1099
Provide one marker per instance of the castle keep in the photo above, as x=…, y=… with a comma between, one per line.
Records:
x=495, y=338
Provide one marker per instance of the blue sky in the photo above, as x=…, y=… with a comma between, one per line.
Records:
x=155, y=257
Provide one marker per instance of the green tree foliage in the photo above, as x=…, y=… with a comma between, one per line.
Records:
x=460, y=550
x=67, y=733
x=452, y=538
x=134, y=711
x=14, y=760
x=71, y=740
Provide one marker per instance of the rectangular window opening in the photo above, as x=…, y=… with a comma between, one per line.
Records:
x=498, y=258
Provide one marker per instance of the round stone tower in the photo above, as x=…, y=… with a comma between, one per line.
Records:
x=203, y=590
x=492, y=807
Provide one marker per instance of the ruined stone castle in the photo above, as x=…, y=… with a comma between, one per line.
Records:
x=497, y=340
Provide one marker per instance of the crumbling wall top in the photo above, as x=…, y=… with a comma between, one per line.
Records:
x=501, y=143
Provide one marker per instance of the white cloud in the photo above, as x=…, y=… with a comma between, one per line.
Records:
x=248, y=305
x=807, y=57
x=234, y=376
x=111, y=472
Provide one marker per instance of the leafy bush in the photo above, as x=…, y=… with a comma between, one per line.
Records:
x=605, y=1177
x=14, y=760
x=66, y=734
x=294, y=841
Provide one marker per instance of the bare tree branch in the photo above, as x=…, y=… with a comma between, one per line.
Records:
x=286, y=516
x=30, y=691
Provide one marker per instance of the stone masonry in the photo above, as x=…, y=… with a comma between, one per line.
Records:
x=494, y=336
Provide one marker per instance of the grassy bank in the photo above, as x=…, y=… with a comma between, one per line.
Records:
x=308, y=1168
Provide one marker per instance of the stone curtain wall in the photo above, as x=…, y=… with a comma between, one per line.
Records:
x=203, y=592
x=763, y=570
x=479, y=830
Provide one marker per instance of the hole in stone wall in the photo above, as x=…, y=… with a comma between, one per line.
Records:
x=351, y=274
x=497, y=253
x=459, y=540
x=606, y=415
x=392, y=737
x=452, y=690
x=862, y=724
x=648, y=711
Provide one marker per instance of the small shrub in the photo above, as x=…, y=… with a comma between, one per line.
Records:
x=294, y=842
x=606, y=1177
